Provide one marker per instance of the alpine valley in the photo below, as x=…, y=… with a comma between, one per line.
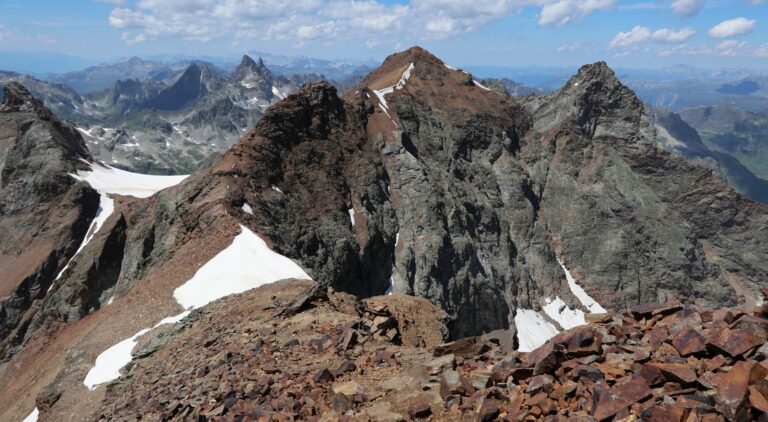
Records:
x=409, y=244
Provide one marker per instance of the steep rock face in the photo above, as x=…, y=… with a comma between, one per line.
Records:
x=422, y=181
x=44, y=213
x=190, y=88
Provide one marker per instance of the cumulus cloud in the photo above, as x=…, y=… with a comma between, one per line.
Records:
x=732, y=28
x=322, y=20
x=641, y=34
x=687, y=7
x=564, y=11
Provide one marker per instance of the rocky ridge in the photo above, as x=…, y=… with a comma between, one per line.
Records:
x=336, y=358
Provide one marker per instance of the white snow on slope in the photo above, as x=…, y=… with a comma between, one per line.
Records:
x=106, y=207
x=107, y=179
x=247, y=208
x=580, y=293
x=352, y=216
x=245, y=264
x=481, y=85
x=390, y=89
x=111, y=361
x=563, y=315
x=32, y=417
x=532, y=330
x=277, y=93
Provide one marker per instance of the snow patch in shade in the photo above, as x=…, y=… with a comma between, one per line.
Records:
x=111, y=361
x=245, y=264
x=532, y=330
x=559, y=311
x=580, y=293
x=352, y=216
x=247, y=208
x=32, y=417
x=106, y=207
x=481, y=85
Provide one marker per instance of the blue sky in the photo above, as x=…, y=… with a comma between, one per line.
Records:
x=628, y=33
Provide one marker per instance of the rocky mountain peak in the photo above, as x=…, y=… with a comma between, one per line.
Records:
x=18, y=98
x=252, y=74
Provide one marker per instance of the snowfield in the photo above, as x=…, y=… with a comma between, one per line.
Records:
x=32, y=417
x=111, y=361
x=245, y=264
x=533, y=330
x=109, y=180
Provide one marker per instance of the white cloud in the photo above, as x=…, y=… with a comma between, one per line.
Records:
x=732, y=28
x=641, y=34
x=570, y=47
x=762, y=51
x=8, y=35
x=370, y=21
x=687, y=7
x=564, y=11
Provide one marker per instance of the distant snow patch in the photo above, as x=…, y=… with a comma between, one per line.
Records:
x=278, y=93
x=245, y=264
x=110, y=180
x=111, y=361
x=449, y=67
x=32, y=417
x=481, y=85
x=276, y=189
x=532, y=330
x=352, y=216
x=247, y=208
x=580, y=293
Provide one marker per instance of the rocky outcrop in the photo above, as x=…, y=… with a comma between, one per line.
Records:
x=342, y=359
x=44, y=212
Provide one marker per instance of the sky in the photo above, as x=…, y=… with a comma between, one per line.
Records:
x=509, y=33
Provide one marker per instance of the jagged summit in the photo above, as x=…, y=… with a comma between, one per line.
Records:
x=18, y=98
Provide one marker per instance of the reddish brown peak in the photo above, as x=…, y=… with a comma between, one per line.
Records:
x=393, y=67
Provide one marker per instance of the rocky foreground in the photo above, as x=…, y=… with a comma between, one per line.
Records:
x=290, y=351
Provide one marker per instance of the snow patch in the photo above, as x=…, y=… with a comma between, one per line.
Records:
x=106, y=207
x=449, y=67
x=390, y=89
x=481, y=85
x=226, y=273
x=247, y=208
x=580, y=293
x=276, y=189
x=109, y=180
x=111, y=361
x=564, y=315
x=32, y=417
x=352, y=216
x=532, y=330
x=278, y=93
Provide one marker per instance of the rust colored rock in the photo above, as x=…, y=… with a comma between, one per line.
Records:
x=621, y=397
x=546, y=358
x=655, y=373
x=488, y=411
x=466, y=347
x=323, y=375
x=734, y=342
x=689, y=341
x=733, y=386
x=451, y=384
x=758, y=399
x=651, y=309
x=345, y=367
x=539, y=383
x=420, y=409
